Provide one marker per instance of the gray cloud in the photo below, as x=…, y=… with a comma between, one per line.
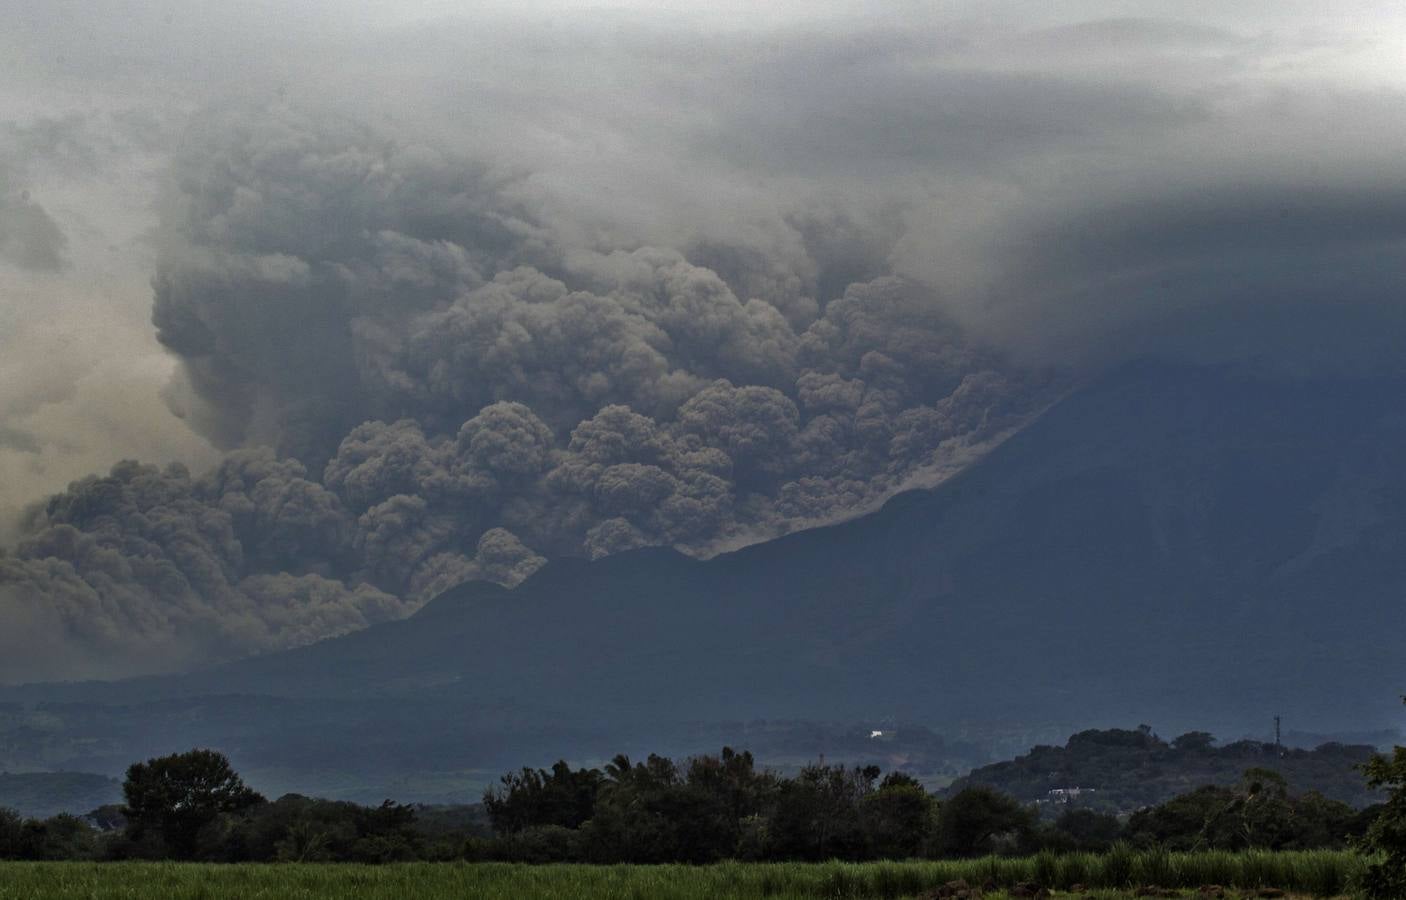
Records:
x=20, y=440
x=29, y=237
x=455, y=389
x=277, y=228
x=149, y=568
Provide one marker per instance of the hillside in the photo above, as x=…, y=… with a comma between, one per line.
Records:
x=44, y=794
x=1162, y=534
x=1121, y=770
x=1192, y=547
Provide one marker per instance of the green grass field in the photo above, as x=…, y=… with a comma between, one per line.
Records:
x=1314, y=874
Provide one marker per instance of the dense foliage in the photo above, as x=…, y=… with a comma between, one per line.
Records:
x=724, y=807
x=1385, y=877
x=1120, y=770
x=172, y=799
x=1259, y=812
x=193, y=806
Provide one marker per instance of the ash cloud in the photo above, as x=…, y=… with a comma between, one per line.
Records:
x=30, y=238
x=151, y=560
x=447, y=388
x=578, y=298
x=275, y=230
x=497, y=374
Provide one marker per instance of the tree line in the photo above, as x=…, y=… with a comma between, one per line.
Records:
x=725, y=807
x=194, y=806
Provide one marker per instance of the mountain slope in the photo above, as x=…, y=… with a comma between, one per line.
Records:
x=1189, y=547
x=1151, y=537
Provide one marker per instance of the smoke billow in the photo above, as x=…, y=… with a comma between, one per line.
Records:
x=150, y=560
x=447, y=389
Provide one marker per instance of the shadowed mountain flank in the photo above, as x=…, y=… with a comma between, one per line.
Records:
x=1179, y=545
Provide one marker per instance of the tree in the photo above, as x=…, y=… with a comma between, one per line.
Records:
x=730, y=800
x=1259, y=812
x=1087, y=830
x=1194, y=742
x=11, y=833
x=1320, y=822
x=641, y=814
x=533, y=798
x=733, y=778
x=173, y=797
x=385, y=833
x=897, y=818
x=302, y=829
x=1385, y=877
x=817, y=813
x=1196, y=820
x=1263, y=813
x=979, y=821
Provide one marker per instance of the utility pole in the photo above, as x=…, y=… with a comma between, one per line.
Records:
x=1278, y=744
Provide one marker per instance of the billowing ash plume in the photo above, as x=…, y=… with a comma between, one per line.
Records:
x=441, y=387
x=239, y=558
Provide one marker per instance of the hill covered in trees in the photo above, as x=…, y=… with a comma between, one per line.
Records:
x=1121, y=770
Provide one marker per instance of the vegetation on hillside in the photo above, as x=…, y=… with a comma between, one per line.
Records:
x=1121, y=770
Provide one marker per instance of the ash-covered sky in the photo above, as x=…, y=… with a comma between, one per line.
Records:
x=410, y=295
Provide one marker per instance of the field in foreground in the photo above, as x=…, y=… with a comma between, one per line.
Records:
x=1311, y=874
